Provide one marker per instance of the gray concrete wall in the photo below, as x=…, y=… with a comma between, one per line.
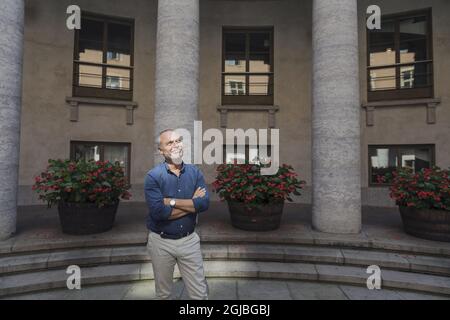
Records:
x=47, y=131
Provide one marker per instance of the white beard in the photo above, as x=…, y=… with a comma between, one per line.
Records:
x=177, y=157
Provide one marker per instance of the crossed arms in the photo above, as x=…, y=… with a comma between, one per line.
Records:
x=185, y=206
x=160, y=208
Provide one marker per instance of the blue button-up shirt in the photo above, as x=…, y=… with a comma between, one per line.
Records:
x=161, y=183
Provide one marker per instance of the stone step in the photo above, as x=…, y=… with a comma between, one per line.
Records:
x=52, y=279
x=409, y=245
x=20, y=263
x=230, y=289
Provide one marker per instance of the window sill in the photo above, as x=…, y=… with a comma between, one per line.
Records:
x=429, y=103
x=266, y=100
x=102, y=93
x=224, y=109
x=75, y=102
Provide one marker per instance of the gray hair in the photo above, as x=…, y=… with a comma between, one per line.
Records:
x=158, y=138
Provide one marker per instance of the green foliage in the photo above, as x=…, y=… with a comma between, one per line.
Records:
x=244, y=182
x=99, y=182
x=425, y=189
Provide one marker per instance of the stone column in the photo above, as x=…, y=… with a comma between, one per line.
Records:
x=336, y=118
x=11, y=55
x=177, y=66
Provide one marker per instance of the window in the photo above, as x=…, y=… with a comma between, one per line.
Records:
x=247, y=153
x=386, y=159
x=247, y=68
x=113, y=82
x=400, y=64
x=103, y=58
x=237, y=87
x=102, y=151
x=113, y=56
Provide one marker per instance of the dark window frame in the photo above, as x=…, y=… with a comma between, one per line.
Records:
x=248, y=99
x=246, y=150
x=103, y=92
x=102, y=145
x=405, y=93
x=431, y=152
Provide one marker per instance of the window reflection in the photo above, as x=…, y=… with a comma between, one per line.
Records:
x=86, y=152
x=387, y=159
x=247, y=65
x=259, y=85
x=90, y=76
x=413, y=39
x=235, y=85
x=104, y=60
x=382, y=45
x=117, y=154
x=90, y=46
x=245, y=153
x=399, y=56
x=117, y=78
x=119, y=44
x=102, y=152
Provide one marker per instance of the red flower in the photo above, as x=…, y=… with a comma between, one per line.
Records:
x=52, y=184
x=245, y=183
x=427, y=188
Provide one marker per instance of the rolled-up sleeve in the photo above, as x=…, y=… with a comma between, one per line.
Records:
x=155, y=200
x=201, y=204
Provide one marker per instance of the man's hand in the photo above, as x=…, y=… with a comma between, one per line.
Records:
x=199, y=193
x=184, y=206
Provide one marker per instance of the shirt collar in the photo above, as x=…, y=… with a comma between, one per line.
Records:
x=183, y=167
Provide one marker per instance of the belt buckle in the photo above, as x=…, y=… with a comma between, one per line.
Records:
x=163, y=235
x=178, y=236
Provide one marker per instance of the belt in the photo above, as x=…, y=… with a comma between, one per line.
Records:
x=174, y=236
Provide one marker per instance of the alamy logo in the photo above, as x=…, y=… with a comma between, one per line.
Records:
x=74, y=280
x=74, y=20
x=374, y=281
x=374, y=20
x=213, y=152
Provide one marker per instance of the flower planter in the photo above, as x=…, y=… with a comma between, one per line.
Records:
x=431, y=224
x=86, y=218
x=256, y=218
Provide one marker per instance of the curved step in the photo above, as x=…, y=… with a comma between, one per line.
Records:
x=51, y=279
x=407, y=246
x=252, y=252
x=230, y=289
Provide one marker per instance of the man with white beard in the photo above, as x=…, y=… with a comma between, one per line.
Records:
x=175, y=193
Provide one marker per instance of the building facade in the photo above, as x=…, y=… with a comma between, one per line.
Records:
x=350, y=103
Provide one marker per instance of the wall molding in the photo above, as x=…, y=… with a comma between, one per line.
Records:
x=75, y=102
x=270, y=109
x=429, y=103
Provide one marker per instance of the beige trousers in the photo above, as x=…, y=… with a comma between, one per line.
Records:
x=186, y=252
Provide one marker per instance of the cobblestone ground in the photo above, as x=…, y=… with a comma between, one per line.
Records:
x=232, y=289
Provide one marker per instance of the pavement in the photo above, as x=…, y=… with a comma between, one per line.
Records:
x=232, y=289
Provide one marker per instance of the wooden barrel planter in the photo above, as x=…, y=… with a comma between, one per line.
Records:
x=428, y=224
x=86, y=218
x=260, y=218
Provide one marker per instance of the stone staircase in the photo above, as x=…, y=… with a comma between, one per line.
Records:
x=421, y=269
